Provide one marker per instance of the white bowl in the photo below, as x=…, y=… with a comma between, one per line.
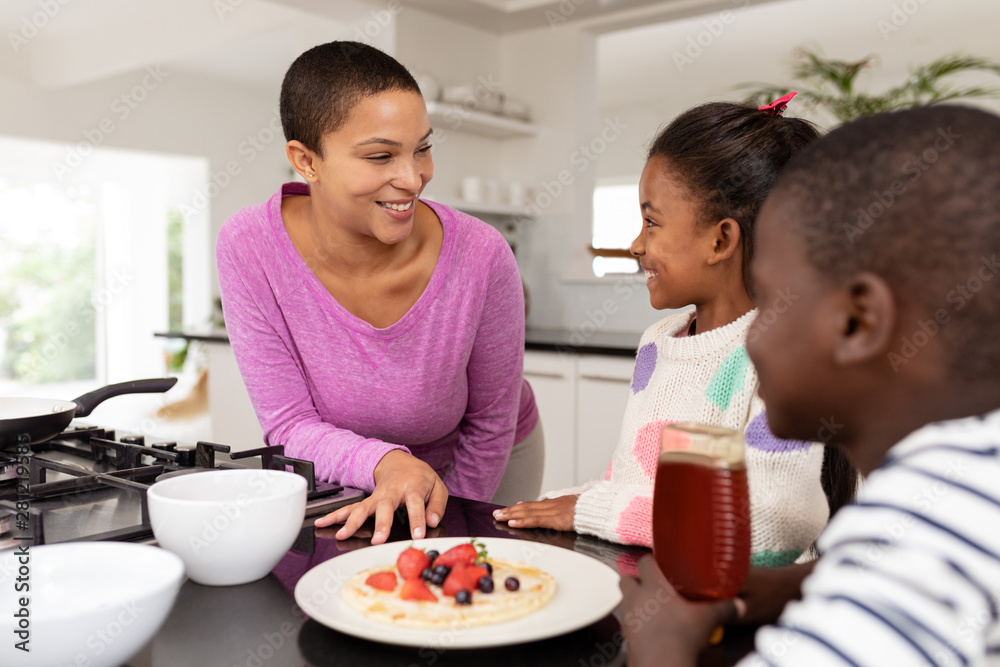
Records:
x=228, y=526
x=88, y=603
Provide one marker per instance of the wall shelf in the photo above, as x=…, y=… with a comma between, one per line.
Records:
x=483, y=208
x=460, y=119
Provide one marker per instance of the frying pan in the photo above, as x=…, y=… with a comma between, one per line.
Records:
x=31, y=420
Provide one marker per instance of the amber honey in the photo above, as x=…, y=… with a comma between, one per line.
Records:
x=701, y=524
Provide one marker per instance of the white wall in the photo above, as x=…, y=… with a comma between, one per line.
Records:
x=555, y=69
x=646, y=79
x=191, y=104
x=645, y=75
x=579, y=85
x=453, y=54
x=186, y=113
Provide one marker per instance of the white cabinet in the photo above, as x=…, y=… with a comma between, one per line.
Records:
x=552, y=377
x=602, y=388
x=581, y=400
x=234, y=421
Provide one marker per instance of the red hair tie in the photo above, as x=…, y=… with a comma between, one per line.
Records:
x=776, y=107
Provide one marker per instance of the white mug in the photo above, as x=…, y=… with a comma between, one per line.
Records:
x=516, y=194
x=472, y=188
x=493, y=191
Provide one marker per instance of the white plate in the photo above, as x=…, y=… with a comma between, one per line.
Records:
x=586, y=591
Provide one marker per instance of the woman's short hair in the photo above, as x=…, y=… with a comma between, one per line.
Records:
x=324, y=84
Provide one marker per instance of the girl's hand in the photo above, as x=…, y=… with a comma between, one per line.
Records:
x=400, y=478
x=660, y=622
x=556, y=513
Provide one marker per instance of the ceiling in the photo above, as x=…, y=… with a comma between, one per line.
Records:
x=253, y=41
x=506, y=16
x=658, y=62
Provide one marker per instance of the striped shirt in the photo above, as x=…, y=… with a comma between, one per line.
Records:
x=910, y=573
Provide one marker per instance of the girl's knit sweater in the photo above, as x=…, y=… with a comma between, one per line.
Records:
x=706, y=378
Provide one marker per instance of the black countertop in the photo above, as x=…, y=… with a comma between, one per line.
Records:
x=585, y=341
x=260, y=624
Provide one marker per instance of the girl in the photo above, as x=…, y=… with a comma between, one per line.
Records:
x=705, y=177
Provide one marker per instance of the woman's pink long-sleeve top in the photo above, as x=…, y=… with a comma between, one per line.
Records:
x=443, y=383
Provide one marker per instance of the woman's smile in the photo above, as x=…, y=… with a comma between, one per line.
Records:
x=400, y=209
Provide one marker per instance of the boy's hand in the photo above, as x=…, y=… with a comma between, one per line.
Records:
x=660, y=622
x=556, y=513
x=767, y=590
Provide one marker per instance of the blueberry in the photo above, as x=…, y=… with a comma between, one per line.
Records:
x=437, y=579
x=463, y=597
x=512, y=584
x=443, y=570
x=426, y=574
x=432, y=554
x=486, y=584
x=489, y=568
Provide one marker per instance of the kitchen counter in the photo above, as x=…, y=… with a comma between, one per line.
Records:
x=612, y=343
x=259, y=624
x=208, y=335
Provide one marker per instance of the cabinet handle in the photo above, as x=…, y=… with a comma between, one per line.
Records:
x=605, y=378
x=556, y=376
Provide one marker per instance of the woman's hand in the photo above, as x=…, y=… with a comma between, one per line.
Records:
x=556, y=513
x=660, y=622
x=400, y=478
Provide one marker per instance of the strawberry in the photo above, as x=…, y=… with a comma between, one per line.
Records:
x=464, y=553
x=414, y=589
x=475, y=573
x=384, y=581
x=459, y=579
x=411, y=563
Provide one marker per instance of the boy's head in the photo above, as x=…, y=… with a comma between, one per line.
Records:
x=877, y=273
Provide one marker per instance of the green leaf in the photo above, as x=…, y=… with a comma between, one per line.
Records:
x=830, y=85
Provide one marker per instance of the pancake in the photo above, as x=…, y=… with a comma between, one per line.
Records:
x=536, y=590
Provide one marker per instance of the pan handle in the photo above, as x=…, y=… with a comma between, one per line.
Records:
x=85, y=404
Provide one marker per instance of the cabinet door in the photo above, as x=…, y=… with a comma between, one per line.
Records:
x=234, y=421
x=602, y=387
x=552, y=376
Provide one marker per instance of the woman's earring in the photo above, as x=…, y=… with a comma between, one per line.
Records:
x=310, y=175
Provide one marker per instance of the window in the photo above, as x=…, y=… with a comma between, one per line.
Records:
x=617, y=221
x=47, y=330
x=85, y=247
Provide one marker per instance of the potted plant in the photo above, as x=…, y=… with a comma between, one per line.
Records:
x=831, y=85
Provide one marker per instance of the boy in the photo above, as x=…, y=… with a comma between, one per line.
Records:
x=888, y=230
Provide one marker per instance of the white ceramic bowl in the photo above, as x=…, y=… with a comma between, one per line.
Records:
x=88, y=603
x=228, y=526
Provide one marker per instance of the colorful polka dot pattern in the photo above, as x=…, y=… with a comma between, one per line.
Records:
x=646, y=449
x=635, y=524
x=759, y=436
x=645, y=364
x=769, y=558
x=729, y=378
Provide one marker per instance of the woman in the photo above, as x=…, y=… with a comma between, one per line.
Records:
x=379, y=336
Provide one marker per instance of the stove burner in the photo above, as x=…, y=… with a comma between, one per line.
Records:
x=87, y=475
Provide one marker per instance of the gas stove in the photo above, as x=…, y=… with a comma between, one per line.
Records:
x=89, y=483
